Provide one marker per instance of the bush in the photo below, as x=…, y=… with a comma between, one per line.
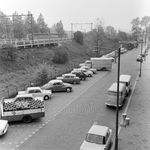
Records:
x=78, y=37
x=42, y=74
x=8, y=52
x=60, y=57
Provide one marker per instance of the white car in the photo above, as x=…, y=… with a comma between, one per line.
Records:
x=98, y=138
x=91, y=69
x=3, y=126
x=86, y=72
x=37, y=92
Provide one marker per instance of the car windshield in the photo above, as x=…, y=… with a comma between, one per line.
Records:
x=93, y=138
x=113, y=93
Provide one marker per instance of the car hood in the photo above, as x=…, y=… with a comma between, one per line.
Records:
x=59, y=78
x=3, y=123
x=91, y=146
x=21, y=92
x=67, y=84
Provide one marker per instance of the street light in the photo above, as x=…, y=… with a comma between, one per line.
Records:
x=141, y=60
x=117, y=108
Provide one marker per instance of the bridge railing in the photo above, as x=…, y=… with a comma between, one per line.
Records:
x=36, y=42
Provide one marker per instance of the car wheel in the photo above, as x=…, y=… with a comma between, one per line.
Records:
x=46, y=97
x=104, y=69
x=68, y=90
x=27, y=119
x=89, y=75
x=74, y=82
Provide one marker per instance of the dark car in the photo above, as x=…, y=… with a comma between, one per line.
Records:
x=80, y=74
x=57, y=86
x=69, y=78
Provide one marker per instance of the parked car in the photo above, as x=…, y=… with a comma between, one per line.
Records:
x=98, y=138
x=3, y=126
x=126, y=79
x=57, y=86
x=79, y=74
x=37, y=92
x=69, y=78
x=91, y=69
x=87, y=72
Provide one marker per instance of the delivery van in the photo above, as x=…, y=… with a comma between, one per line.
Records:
x=126, y=79
x=102, y=63
x=112, y=95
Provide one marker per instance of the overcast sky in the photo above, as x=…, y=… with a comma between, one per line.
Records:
x=117, y=13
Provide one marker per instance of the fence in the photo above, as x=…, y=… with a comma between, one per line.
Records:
x=30, y=43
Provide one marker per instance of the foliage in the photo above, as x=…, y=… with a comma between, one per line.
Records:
x=42, y=73
x=122, y=36
x=111, y=32
x=8, y=52
x=60, y=56
x=140, y=27
x=78, y=37
x=58, y=27
x=42, y=25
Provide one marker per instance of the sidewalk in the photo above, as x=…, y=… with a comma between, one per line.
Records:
x=136, y=135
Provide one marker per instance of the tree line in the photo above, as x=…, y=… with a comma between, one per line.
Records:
x=18, y=26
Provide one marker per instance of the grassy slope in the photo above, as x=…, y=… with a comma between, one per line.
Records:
x=17, y=74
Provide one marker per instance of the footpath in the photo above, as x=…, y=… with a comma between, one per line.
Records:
x=136, y=135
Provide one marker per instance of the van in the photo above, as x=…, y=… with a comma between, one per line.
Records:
x=102, y=63
x=112, y=95
x=126, y=79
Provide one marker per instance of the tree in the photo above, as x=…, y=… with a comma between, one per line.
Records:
x=122, y=35
x=136, y=28
x=99, y=36
x=59, y=28
x=111, y=32
x=5, y=26
x=78, y=37
x=18, y=26
x=42, y=25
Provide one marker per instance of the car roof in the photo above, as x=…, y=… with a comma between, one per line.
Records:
x=24, y=95
x=113, y=87
x=54, y=81
x=98, y=130
x=125, y=78
x=33, y=88
x=68, y=74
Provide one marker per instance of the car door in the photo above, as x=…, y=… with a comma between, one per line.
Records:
x=38, y=93
x=66, y=79
x=55, y=86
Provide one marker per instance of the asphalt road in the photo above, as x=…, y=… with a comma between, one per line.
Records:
x=70, y=115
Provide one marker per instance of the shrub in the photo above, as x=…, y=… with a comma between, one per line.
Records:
x=78, y=37
x=60, y=57
x=42, y=74
x=8, y=52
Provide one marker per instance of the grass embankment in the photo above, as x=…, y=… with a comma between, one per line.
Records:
x=16, y=75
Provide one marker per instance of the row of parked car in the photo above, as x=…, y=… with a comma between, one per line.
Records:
x=63, y=83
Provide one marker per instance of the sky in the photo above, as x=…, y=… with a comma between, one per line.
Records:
x=81, y=14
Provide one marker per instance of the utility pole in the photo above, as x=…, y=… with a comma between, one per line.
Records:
x=141, y=61
x=32, y=28
x=117, y=108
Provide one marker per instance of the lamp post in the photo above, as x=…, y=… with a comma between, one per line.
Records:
x=141, y=60
x=117, y=107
